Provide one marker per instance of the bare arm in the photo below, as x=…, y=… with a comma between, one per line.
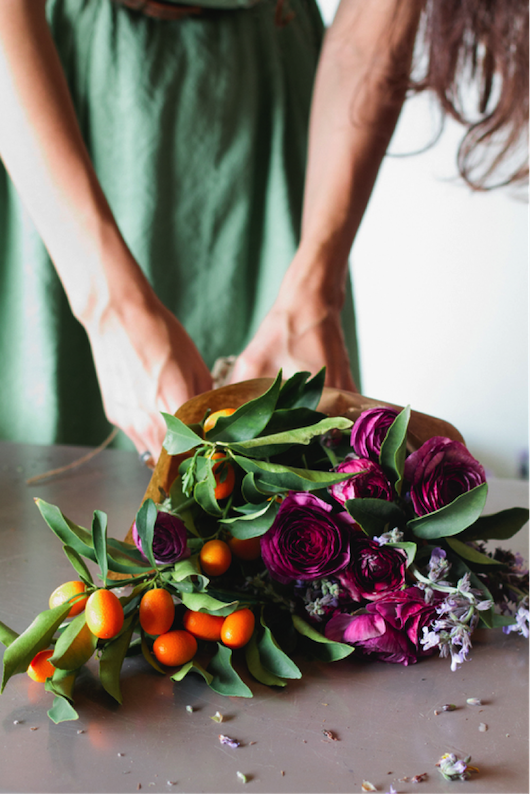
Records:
x=144, y=359
x=358, y=95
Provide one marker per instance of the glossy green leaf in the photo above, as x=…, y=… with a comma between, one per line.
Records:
x=145, y=525
x=125, y=558
x=497, y=526
x=472, y=555
x=288, y=478
x=256, y=668
x=250, y=491
x=111, y=661
x=326, y=650
x=394, y=448
x=273, y=658
x=375, y=516
x=192, y=667
x=79, y=565
x=453, y=518
x=35, y=638
x=249, y=420
x=62, y=683
x=62, y=711
x=253, y=525
x=7, y=635
x=301, y=435
x=189, y=571
x=149, y=657
x=291, y=418
x=203, y=602
x=225, y=680
x=298, y=392
x=99, y=541
x=75, y=646
x=179, y=437
x=408, y=547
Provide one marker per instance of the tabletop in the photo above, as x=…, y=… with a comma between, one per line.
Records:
x=381, y=721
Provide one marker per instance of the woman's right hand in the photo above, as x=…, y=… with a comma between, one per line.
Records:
x=145, y=363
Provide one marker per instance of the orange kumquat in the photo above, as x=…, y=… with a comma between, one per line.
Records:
x=215, y=557
x=238, y=628
x=203, y=626
x=64, y=592
x=211, y=420
x=157, y=611
x=104, y=614
x=175, y=647
x=40, y=668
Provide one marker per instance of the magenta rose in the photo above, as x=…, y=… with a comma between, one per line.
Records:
x=369, y=431
x=374, y=571
x=390, y=629
x=371, y=483
x=169, y=539
x=439, y=471
x=307, y=541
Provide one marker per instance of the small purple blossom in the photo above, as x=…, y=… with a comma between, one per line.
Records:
x=454, y=768
x=307, y=541
x=439, y=471
x=369, y=431
x=369, y=481
x=169, y=539
x=522, y=622
x=233, y=743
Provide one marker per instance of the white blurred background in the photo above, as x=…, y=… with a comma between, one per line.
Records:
x=441, y=290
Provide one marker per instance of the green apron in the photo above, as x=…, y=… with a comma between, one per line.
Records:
x=197, y=129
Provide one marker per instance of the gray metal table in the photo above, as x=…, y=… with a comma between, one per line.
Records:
x=382, y=715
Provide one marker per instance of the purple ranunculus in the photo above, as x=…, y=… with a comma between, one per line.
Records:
x=372, y=483
x=374, y=571
x=439, y=471
x=369, y=431
x=307, y=541
x=390, y=629
x=169, y=539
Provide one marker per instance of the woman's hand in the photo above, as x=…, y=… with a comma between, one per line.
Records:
x=145, y=363
x=302, y=336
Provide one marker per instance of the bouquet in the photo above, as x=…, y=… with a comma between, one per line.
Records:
x=272, y=530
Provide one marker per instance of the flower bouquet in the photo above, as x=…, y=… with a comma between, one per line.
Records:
x=282, y=519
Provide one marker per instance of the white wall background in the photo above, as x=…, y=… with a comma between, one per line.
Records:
x=441, y=289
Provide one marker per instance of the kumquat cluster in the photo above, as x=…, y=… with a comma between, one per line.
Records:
x=286, y=533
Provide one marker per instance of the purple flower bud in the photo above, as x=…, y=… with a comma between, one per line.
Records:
x=307, y=541
x=369, y=431
x=371, y=483
x=439, y=471
x=169, y=539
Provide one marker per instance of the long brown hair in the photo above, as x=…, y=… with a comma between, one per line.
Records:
x=483, y=44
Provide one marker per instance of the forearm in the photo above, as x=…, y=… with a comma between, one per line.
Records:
x=43, y=150
x=359, y=91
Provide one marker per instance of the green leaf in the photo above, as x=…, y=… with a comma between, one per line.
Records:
x=7, y=635
x=204, y=491
x=203, y=602
x=192, y=667
x=300, y=435
x=187, y=571
x=497, y=526
x=75, y=646
x=179, y=437
x=225, y=680
x=292, y=418
x=62, y=683
x=145, y=524
x=99, y=541
x=288, y=478
x=296, y=393
x=62, y=711
x=375, y=515
x=148, y=656
x=125, y=558
x=35, y=638
x=453, y=518
x=498, y=621
x=249, y=420
x=78, y=564
x=408, y=547
x=394, y=448
x=256, y=668
x=250, y=491
x=254, y=524
x=328, y=650
x=472, y=555
x=273, y=658
x=111, y=661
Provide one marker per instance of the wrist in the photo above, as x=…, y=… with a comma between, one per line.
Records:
x=316, y=278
